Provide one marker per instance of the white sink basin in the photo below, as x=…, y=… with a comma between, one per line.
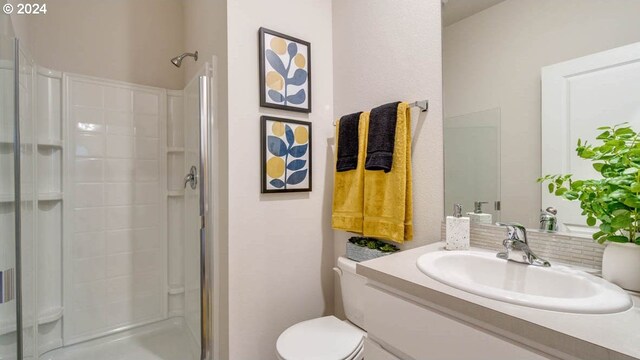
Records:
x=557, y=288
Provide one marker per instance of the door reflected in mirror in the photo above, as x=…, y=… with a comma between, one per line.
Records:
x=523, y=80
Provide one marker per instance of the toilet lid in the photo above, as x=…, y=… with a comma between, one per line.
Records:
x=325, y=338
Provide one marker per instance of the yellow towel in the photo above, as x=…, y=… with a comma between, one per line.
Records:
x=388, y=204
x=348, y=186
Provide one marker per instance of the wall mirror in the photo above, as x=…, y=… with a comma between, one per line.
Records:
x=523, y=80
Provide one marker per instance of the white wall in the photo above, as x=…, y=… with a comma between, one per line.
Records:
x=205, y=30
x=384, y=52
x=11, y=24
x=127, y=40
x=280, y=245
x=493, y=59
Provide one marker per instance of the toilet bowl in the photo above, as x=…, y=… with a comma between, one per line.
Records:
x=329, y=338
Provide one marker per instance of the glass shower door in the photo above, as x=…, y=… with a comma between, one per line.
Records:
x=198, y=228
x=28, y=201
x=17, y=200
x=8, y=302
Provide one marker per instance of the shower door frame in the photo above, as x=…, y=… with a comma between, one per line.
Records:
x=204, y=178
x=17, y=201
x=199, y=134
x=24, y=145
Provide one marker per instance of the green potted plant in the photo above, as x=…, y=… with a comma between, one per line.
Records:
x=612, y=201
x=364, y=248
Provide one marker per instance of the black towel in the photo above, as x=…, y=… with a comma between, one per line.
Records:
x=382, y=136
x=348, y=142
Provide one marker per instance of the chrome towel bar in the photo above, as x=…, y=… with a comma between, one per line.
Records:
x=423, y=105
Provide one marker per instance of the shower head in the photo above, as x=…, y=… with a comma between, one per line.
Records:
x=177, y=61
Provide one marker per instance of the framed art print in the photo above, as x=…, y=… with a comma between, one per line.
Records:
x=285, y=155
x=285, y=72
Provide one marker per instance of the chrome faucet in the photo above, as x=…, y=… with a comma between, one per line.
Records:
x=549, y=219
x=517, y=247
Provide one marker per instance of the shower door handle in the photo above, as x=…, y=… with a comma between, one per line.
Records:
x=191, y=178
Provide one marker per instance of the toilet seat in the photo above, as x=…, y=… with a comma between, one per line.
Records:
x=325, y=338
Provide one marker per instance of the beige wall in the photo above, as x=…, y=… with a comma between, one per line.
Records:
x=280, y=245
x=493, y=59
x=382, y=53
x=13, y=25
x=205, y=30
x=127, y=40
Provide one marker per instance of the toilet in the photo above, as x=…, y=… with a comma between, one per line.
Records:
x=329, y=338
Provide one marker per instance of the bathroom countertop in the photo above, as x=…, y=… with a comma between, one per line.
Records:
x=583, y=336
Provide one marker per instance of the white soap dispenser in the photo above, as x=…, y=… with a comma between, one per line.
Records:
x=457, y=230
x=477, y=216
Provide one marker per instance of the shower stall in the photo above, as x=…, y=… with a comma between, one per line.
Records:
x=105, y=215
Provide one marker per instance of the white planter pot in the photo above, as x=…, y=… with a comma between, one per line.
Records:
x=621, y=265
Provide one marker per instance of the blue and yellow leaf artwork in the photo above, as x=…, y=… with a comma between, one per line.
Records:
x=299, y=77
x=298, y=151
x=286, y=72
x=300, y=61
x=275, y=167
x=275, y=96
x=276, y=63
x=277, y=128
x=293, y=49
x=301, y=135
x=297, y=177
x=287, y=163
x=297, y=98
x=275, y=81
x=279, y=45
x=276, y=146
x=296, y=165
x=290, y=136
x=277, y=183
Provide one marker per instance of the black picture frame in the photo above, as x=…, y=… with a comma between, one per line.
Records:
x=269, y=102
x=267, y=155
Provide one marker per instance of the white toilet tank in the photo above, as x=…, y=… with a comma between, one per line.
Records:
x=352, y=286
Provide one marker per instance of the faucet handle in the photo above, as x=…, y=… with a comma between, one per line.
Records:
x=515, y=231
x=477, y=206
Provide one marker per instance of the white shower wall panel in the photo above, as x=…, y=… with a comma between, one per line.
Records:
x=175, y=200
x=28, y=205
x=192, y=268
x=49, y=86
x=115, y=228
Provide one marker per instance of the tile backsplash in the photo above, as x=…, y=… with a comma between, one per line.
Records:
x=562, y=248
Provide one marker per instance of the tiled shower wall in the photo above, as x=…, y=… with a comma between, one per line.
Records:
x=116, y=272
x=562, y=248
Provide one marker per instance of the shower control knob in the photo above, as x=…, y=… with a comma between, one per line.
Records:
x=191, y=178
